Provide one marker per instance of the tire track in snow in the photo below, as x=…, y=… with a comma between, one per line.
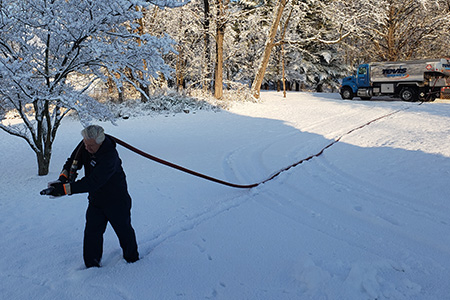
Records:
x=348, y=201
x=189, y=222
x=369, y=189
x=347, y=231
x=254, y=154
x=364, y=190
x=230, y=164
x=308, y=211
x=323, y=225
x=254, y=158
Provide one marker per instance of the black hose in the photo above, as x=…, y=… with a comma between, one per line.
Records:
x=247, y=186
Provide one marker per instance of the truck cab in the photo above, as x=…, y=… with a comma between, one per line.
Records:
x=363, y=76
x=357, y=85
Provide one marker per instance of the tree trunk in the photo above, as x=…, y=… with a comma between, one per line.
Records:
x=220, y=32
x=206, y=51
x=140, y=30
x=42, y=141
x=180, y=65
x=259, y=77
x=43, y=160
x=110, y=84
x=145, y=92
x=120, y=96
x=390, y=38
x=283, y=70
x=218, y=74
x=179, y=71
x=45, y=134
x=283, y=53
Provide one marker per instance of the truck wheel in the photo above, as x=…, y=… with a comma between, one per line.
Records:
x=347, y=93
x=408, y=94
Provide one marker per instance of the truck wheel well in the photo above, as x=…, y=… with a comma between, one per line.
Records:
x=347, y=93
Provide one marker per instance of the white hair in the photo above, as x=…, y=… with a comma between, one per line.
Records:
x=94, y=132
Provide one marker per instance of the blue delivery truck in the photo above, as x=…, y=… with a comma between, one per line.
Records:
x=418, y=80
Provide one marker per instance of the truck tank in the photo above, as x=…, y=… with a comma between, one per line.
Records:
x=408, y=70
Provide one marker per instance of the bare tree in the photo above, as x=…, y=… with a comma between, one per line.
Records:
x=206, y=42
x=270, y=42
x=221, y=21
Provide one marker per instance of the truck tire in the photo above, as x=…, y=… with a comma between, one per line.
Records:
x=408, y=94
x=347, y=93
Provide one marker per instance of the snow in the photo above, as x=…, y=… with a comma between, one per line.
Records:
x=367, y=219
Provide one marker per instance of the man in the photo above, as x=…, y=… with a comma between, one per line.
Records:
x=109, y=200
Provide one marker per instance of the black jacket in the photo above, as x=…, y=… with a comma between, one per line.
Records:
x=104, y=179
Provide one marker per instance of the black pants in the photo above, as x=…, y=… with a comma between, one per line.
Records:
x=97, y=218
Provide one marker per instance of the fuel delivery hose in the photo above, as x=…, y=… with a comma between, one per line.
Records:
x=180, y=168
x=247, y=186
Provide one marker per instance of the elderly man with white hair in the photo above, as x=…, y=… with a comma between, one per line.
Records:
x=109, y=200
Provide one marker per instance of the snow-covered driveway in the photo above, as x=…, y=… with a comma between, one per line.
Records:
x=368, y=219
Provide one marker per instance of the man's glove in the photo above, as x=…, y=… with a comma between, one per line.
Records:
x=60, y=189
x=64, y=176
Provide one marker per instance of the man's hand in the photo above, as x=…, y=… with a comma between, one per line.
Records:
x=60, y=189
x=64, y=176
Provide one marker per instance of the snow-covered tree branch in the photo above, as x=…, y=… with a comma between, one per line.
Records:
x=51, y=52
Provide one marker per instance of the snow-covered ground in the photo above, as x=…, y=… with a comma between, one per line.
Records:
x=368, y=219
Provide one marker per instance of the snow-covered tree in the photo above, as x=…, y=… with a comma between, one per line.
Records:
x=53, y=51
x=245, y=40
x=307, y=33
x=208, y=48
x=311, y=43
x=185, y=26
x=390, y=30
x=313, y=56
